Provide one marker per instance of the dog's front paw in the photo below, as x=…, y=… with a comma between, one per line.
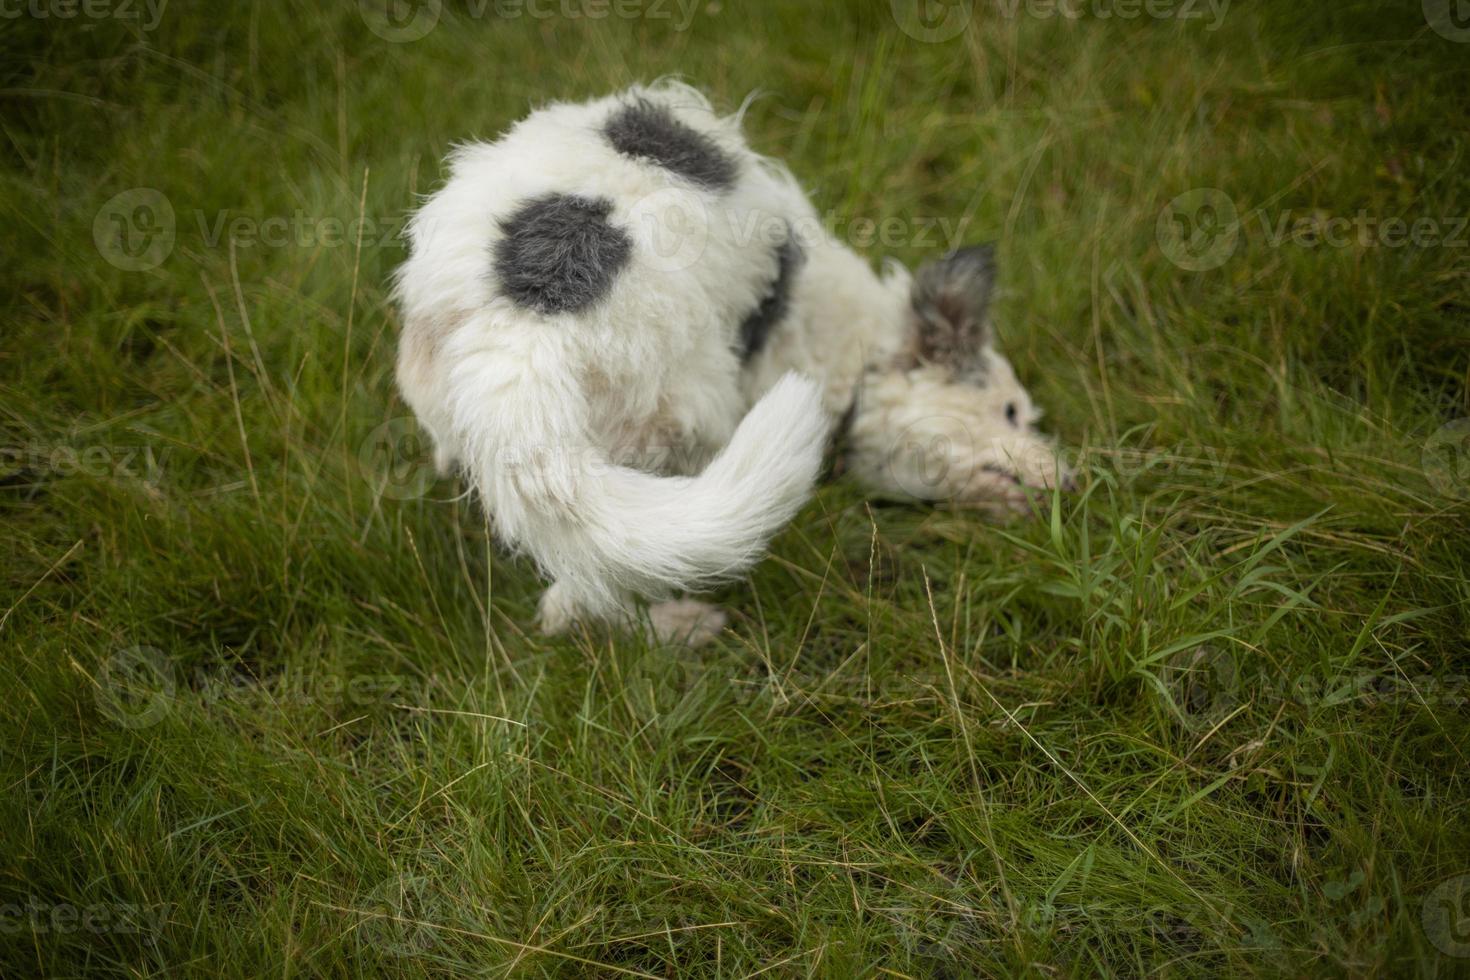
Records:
x=686, y=621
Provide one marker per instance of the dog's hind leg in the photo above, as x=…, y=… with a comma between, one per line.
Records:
x=686, y=621
x=558, y=609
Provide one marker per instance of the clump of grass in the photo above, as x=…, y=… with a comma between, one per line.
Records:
x=275, y=703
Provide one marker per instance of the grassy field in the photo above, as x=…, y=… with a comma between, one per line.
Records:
x=275, y=705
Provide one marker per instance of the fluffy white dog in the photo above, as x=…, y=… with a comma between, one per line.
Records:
x=635, y=336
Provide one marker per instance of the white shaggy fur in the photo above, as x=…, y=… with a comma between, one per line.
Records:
x=625, y=446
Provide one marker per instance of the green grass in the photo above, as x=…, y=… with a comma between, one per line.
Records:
x=269, y=711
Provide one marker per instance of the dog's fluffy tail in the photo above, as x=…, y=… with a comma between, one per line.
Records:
x=602, y=531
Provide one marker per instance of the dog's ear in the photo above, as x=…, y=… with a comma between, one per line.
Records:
x=951, y=303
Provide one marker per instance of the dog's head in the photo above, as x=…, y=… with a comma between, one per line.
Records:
x=947, y=417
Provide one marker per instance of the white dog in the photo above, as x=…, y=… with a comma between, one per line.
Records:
x=634, y=336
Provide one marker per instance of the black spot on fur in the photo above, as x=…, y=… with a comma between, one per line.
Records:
x=648, y=131
x=560, y=254
x=756, y=328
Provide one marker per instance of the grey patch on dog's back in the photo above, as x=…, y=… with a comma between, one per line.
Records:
x=649, y=131
x=756, y=328
x=559, y=253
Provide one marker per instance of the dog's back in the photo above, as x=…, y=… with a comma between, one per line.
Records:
x=636, y=239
